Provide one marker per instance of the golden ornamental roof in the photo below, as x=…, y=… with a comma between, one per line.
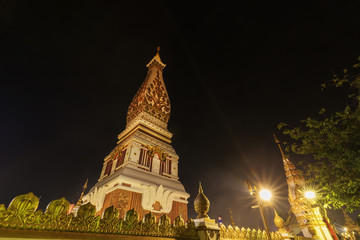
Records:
x=278, y=221
x=152, y=96
x=201, y=204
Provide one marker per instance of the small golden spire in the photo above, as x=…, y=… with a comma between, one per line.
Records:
x=157, y=56
x=278, y=143
x=201, y=204
x=279, y=222
x=251, y=190
x=85, y=185
x=232, y=219
x=79, y=202
x=200, y=188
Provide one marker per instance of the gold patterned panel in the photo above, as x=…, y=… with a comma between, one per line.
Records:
x=152, y=96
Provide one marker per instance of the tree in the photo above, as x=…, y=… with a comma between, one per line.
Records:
x=333, y=140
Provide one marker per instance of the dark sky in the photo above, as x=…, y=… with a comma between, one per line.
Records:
x=69, y=70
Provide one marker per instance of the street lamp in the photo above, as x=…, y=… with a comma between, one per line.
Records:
x=310, y=195
x=263, y=195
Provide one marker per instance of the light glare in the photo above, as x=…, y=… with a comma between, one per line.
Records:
x=310, y=194
x=265, y=194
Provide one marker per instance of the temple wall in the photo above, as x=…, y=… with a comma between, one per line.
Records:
x=6, y=234
x=124, y=201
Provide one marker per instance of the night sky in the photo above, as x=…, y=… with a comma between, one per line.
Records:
x=69, y=70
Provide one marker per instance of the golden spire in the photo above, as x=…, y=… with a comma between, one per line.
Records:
x=157, y=59
x=278, y=143
x=232, y=219
x=201, y=204
x=157, y=56
x=79, y=202
x=279, y=222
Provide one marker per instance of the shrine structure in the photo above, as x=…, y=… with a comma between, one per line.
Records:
x=141, y=172
x=309, y=217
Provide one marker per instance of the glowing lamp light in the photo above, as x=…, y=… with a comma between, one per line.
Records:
x=310, y=194
x=265, y=195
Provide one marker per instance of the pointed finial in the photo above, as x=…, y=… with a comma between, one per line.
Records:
x=79, y=202
x=232, y=219
x=157, y=56
x=276, y=140
x=278, y=143
x=251, y=191
x=201, y=204
x=278, y=221
x=85, y=185
x=157, y=59
x=200, y=188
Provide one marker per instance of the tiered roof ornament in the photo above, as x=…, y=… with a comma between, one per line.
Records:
x=151, y=102
x=295, y=183
x=293, y=175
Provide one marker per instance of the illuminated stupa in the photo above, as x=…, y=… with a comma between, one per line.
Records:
x=141, y=172
x=308, y=217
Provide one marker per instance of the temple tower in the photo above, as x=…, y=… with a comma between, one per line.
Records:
x=308, y=217
x=141, y=172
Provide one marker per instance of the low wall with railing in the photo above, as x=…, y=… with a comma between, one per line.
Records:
x=246, y=234
x=22, y=220
x=22, y=215
x=250, y=234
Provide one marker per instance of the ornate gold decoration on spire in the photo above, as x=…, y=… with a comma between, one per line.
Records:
x=292, y=174
x=152, y=96
x=201, y=204
x=79, y=202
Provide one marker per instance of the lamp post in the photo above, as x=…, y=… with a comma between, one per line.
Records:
x=309, y=195
x=263, y=195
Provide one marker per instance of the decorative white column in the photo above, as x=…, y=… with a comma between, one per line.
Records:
x=156, y=164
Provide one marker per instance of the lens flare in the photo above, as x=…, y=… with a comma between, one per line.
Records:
x=310, y=194
x=265, y=194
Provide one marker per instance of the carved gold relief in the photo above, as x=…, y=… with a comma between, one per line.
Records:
x=115, y=154
x=157, y=150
